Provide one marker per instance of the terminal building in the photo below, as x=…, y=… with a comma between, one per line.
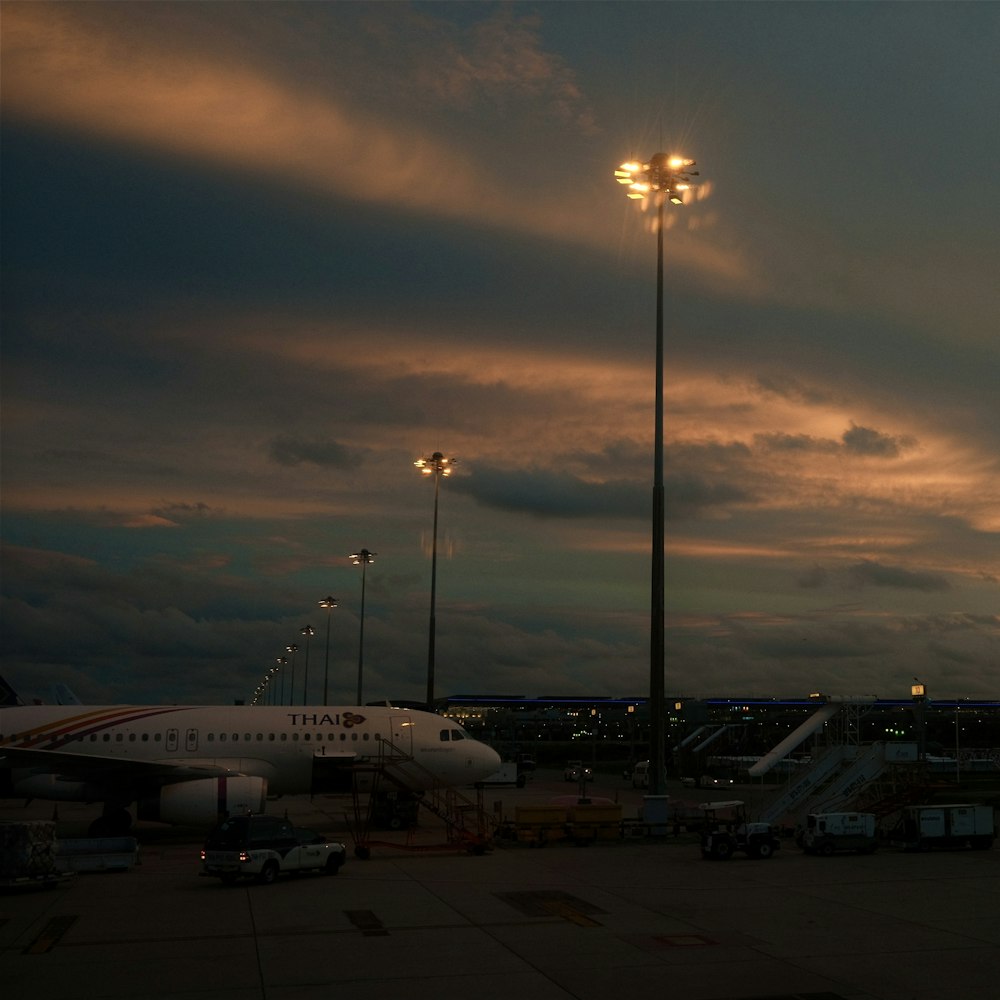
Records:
x=615, y=730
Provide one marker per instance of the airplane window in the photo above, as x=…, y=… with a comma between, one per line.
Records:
x=457, y=734
x=211, y=737
x=246, y=736
x=295, y=736
x=260, y=736
x=106, y=737
x=118, y=737
x=157, y=737
x=131, y=737
x=93, y=737
x=307, y=736
x=270, y=737
x=366, y=736
x=284, y=737
x=222, y=737
x=343, y=736
x=330, y=736
x=236, y=737
x=354, y=737
x=145, y=737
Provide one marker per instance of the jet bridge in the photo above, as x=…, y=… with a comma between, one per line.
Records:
x=711, y=738
x=830, y=707
x=813, y=724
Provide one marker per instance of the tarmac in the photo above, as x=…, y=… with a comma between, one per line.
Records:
x=613, y=920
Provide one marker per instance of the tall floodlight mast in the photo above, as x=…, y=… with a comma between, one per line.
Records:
x=362, y=558
x=328, y=604
x=664, y=178
x=437, y=466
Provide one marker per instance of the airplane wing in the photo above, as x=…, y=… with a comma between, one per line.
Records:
x=91, y=768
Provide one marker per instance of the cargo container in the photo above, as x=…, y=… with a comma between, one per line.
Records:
x=959, y=825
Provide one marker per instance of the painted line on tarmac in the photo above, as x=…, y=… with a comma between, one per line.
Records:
x=367, y=923
x=50, y=935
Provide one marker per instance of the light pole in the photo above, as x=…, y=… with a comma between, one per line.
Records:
x=663, y=177
x=437, y=466
x=328, y=603
x=308, y=631
x=293, y=649
x=362, y=558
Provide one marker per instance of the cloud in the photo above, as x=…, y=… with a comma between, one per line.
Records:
x=499, y=60
x=780, y=441
x=552, y=494
x=876, y=574
x=815, y=576
x=866, y=441
x=65, y=68
x=289, y=451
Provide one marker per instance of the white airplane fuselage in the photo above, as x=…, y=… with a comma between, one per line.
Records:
x=125, y=753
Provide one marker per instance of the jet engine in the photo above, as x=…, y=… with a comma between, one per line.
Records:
x=205, y=801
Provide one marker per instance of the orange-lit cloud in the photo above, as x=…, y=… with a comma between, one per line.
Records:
x=66, y=71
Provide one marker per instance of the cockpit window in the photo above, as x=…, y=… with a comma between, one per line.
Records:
x=457, y=734
x=444, y=736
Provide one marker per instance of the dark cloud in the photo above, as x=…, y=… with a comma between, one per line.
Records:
x=869, y=573
x=553, y=494
x=867, y=441
x=291, y=451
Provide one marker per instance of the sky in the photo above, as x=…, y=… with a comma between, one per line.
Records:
x=258, y=258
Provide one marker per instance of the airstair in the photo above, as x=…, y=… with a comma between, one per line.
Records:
x=467, y=824
x=795, y=797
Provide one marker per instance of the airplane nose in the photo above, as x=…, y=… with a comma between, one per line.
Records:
x=488, y=759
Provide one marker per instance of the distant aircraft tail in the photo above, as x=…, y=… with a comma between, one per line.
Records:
x=8, y=696
x=62, y=694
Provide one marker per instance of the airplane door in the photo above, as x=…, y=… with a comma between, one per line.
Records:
x=171, y=741
x=402, y=733
x=191, y=740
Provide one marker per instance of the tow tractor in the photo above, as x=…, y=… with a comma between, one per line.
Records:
x=727, y=829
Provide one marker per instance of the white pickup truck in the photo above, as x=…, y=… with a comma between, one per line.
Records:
x=262, y=847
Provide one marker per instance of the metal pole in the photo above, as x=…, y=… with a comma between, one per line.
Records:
x=430, y=639
x=326, y=660
x=361, y=638
x=656, y=618
x=305, y=672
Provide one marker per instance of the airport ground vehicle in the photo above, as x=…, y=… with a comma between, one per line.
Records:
x=262, y=847
x=575, y=770
x=923, y=828
x=713, y=781
x=508, y=774
x=827, y=833
x=727, y=829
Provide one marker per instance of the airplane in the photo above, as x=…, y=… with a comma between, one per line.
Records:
x=190, y=765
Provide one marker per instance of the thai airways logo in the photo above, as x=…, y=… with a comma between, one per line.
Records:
x=347, y=719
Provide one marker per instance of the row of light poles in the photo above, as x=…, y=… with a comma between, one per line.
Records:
x=663, y=178
x=271, y=690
